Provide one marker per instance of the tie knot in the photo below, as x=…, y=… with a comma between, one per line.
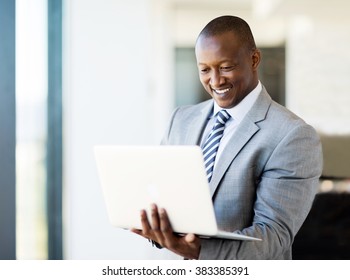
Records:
x=223, y=117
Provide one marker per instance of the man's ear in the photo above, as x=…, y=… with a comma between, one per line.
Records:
x=256, y=57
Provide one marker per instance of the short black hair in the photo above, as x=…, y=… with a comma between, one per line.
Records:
x=233, y=24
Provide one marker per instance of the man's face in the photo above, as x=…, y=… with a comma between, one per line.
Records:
x=227, y=70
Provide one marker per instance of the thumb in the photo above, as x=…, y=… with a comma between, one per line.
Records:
x=190, y=238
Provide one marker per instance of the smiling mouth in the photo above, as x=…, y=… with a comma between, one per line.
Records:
x=221, y=91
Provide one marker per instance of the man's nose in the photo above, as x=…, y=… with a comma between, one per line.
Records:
x=216, y=79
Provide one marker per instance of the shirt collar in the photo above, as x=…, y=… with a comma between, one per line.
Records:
x=241, y=109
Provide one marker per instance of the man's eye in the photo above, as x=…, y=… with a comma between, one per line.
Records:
x=205, y=70
x=227, y=68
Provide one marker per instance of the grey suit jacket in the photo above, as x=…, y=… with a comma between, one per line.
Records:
x=265, y=181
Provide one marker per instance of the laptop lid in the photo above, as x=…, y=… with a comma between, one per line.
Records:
x=173, y=177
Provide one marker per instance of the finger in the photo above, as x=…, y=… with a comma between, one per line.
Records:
x=170, y=239
x=155, y=217
x=137, y=231
x=165, y=225
x=158, y=235
x=146, y=227
x=190, y=238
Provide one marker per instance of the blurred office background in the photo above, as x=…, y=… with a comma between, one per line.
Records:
x=77, y=73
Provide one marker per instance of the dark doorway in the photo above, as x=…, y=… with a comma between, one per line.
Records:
x=272, y=72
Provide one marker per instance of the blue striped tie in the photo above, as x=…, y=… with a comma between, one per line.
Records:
x=211, y=145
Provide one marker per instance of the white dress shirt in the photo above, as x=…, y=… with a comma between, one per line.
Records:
x=237, y=114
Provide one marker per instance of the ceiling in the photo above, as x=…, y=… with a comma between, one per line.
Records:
x=271, y=8
x=269, y=19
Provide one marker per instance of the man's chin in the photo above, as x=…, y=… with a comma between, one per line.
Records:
x=225, y=104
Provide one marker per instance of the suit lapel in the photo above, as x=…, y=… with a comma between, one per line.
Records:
x=198, y=124
x=246, y=130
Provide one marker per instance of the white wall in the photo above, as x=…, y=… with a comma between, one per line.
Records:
x=318, y=68
x=108, y=99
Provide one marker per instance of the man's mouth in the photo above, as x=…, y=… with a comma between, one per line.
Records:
x=221, y=91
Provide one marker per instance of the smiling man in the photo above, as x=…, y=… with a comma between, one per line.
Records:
x=263, y=161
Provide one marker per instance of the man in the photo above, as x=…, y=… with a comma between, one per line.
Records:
x=265, y=172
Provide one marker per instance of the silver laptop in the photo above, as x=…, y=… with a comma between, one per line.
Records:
x=173, y=177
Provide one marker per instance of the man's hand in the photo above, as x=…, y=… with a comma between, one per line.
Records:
x=160, y=231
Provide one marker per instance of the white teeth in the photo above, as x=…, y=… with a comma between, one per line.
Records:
x=221, y=91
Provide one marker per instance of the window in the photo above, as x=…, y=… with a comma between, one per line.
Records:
x=38, y=129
